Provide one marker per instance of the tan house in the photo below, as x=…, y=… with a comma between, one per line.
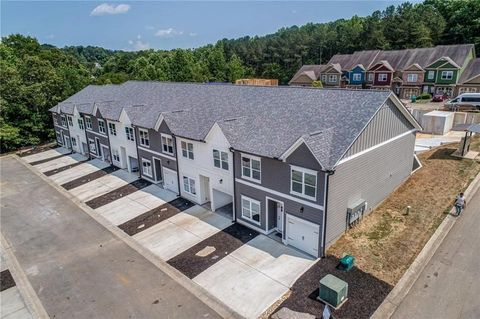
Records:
x=469, y=81
x=306, y=75
x=412, y=80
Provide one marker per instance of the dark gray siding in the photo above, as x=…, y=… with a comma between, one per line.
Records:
x=91, y=134
x=155, y=139
x=371, y=176
x=59, y=127
x=166, y=162
x=387, y=123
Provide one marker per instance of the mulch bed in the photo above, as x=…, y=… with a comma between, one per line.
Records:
x=155, y=216
x=365, y=292
x=48, y=159
x=63, y=168
x=37, y=149
x=224, y=242
x=118, y=193
x=89, y=177
x=6, y=280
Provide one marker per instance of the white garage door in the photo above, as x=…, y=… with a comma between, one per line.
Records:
x=302, y=235
x=170, y=180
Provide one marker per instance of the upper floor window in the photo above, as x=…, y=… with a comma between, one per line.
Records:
x=303, y=182
x=357, y=77
x=412, y=77
x=63, y=120
x=220, y=159
x=167, y=144
x=88, y=122
x=101, y=127
x=251, y=168
x=332, y=78
x=187, y=150
x=370, y=77
x=144, y=140
x=129, y=133
x=70, y=121
x=447, y=75
x=382, y=77
x=80, y=124
x=431, y=75
x=112, y=128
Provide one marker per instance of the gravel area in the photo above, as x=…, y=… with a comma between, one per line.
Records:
x=89, y=177
x=48, y=159
x=198, y=258
x=155, y=216
x=118, y=193
x=6, y=280
x=63, y=168
x=37, y=149
x=365, y=292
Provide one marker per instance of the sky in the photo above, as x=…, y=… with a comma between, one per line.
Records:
x=166, y=24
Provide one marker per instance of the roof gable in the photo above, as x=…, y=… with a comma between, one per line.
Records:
x=414, y=67
x=443, y=63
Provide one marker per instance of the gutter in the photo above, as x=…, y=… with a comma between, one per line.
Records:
x=176, y=160
x=325, y=206
x=234, y=215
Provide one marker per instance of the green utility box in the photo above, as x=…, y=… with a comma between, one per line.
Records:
x=333, y=291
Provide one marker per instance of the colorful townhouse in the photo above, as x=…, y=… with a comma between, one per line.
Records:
x=469, y=81
x=408, y=72
x=298, y=164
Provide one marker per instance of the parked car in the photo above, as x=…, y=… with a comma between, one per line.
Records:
x=438, y=97
x=464, y=101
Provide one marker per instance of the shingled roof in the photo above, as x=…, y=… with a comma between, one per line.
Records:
x=472, y=70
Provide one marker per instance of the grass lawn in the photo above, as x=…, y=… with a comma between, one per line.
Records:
x=387, y=241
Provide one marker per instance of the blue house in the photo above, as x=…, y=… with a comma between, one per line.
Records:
x=357, y=75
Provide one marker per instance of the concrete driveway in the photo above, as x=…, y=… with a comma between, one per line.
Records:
x=78, y=171
x=45, y=155
x=60, y=162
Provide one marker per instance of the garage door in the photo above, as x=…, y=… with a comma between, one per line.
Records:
x=302, y=235
x=170, y=180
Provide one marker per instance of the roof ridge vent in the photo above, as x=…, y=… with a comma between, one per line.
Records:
x=231, y=119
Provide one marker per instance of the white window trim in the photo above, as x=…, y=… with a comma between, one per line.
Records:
x=151, y=167
x=130, y=133
x=382, y=79
x=63, y=120
x=82, y=126
x=70, y=120
x=431, y=75
x=189, y=185
x=104, y=126
x=332, y=78
x=370, y=77
x=114, y=130
x=259, y=181
x=308, y=171
x=186, y=150
x=357, y=77
x=88, y=120
x=168, y=137
x=94, y=144
x=251, y=200
x=114, y=150
x=220, y=153
x=446, y=73
x=140, y=130
x=412, y=77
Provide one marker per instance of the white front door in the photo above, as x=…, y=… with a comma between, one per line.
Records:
x=67, y=142
x=303, y=235
x=170, y=180
x=279, y=227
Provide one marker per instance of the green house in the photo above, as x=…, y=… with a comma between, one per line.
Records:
x=442, y=71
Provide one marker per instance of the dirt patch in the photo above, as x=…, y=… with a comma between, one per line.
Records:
x=365, y=292
x=63, y=168
x=155, y=216
x=191, y=263
x=36, y=149
x=118, y=193
x=48, y=159
x=387, y=241
x=6, y=280
x=89, y=177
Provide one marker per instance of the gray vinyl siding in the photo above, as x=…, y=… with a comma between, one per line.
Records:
x=166, y=162
x=386, y=124
x=371, y=176
x=59, y=128
x=90, y=135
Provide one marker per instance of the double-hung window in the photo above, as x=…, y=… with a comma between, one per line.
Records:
x=92, y=146
x=101, y=127
x=251, y=168
x=144, y=139
x=447, y=75
x=63, y=120
x=129, y=133
x=167, y=144
x=303, y=182
x=70, y=121
x=332, y=78
x=116, y=155
x=357, y=77
x=220, y=159
x=147, y=167
x=80, y=124
x=74, y=141
x=189, y=185
x=324, y=78
x=431, y=75
x=187, y=150
x=412, y=77
x=382, y=77
x=251, y=209
x=370, y=77
x=88, y=122
x=112, y=128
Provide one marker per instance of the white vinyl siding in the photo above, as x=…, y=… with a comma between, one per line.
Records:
x=189, y=185
x=112, y=128
x=251, y=209
x=167, y=144
x=144, y=139
x=251, y=168
x=147, y=167
x=187, y=150
x=220, y=159
x=303, y=182
x=101, y=127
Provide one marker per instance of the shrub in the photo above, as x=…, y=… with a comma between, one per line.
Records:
x=425, y=96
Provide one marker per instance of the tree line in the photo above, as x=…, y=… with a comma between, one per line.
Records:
x=35, y=77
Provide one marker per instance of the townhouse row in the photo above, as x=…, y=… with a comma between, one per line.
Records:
x=448, y=69
x=298, y=164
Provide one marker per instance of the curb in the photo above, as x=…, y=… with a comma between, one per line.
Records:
x=29, y=295
x=223, y=310
x=401, y=289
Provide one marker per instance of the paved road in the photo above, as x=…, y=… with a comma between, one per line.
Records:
x=76, y=266
x=449, y=286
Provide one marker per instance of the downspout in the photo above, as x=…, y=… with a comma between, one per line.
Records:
x=138, y=154
x=86, y=136
x=108, y=139
x=234, y=215
x=176, y=160
x=324, y=226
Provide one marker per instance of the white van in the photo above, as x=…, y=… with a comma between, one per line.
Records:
x=464, y=100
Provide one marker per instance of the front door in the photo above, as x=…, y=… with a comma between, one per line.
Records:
x=279, y=222
x=67, y=142
x=158, y=169
x=99, y=148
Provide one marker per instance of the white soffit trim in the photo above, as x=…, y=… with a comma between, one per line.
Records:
x=159, y=121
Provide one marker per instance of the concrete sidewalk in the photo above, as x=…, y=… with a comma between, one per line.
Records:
x=78, y=268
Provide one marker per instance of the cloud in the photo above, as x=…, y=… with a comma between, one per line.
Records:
x=138, y=45
x=192, y=34
x=168, y=33
x=106, y=8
